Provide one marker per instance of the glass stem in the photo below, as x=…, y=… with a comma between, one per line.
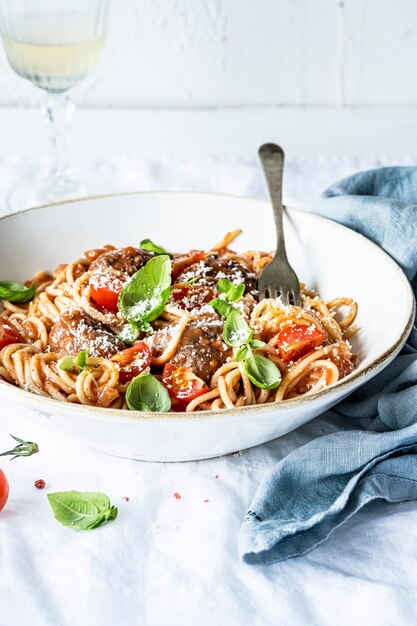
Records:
x=58, y=111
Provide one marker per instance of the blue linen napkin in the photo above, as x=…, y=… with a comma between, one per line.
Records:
x=320, y=485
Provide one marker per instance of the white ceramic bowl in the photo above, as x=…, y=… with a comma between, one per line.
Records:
x=326, y=256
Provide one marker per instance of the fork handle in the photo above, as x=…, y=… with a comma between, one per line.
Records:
x=272, y=159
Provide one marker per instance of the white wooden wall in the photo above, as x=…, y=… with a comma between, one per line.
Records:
x=198, y=77
x=221, y=53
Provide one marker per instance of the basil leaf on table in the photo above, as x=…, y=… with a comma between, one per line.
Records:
x=146, y=393
x=16, y=292
x=144, y=298
x=150, y=246
x=236, y=331
x=262, y=372
x=82, y=510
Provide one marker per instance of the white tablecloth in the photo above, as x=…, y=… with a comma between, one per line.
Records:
x=170, y=561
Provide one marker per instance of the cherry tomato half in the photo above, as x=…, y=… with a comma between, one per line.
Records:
x=105, y=290
x=4, y=490
x=8, y=334
x=295, y=341
x=181, y=262
x=183, y=386
x=132, y=361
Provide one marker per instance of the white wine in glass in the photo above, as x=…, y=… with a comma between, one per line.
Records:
x=54, y=45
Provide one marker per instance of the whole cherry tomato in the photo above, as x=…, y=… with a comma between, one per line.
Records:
x=4, y=490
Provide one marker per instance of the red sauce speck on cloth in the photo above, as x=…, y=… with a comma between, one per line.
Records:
x=177, y=495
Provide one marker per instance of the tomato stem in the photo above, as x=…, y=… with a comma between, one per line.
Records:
x=25, y=448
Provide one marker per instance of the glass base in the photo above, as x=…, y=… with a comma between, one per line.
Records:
x=51, y=189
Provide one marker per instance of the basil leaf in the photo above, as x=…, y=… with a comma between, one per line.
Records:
x=242, y=353
x=236, y=292
x=82, y=511
x=233, y=292
x=129, y=333
x=221, y=306
x=16, y=292
x=145, y=296
x=224, y=285
x=150, y=246
x=113, y=513
x=262, y=372
x=146, y=393
x=236, y=331
x=81, y=360
x=67, y=364
x=255, y=343
x=145, y=327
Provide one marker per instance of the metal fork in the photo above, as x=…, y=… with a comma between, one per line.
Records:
x=278, y=278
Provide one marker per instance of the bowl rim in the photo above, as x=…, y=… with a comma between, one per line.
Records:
x=46, y=405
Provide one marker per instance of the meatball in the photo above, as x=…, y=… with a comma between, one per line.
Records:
x=201, y=348
x=75, y=331
x=126, y=260
x=213, y=268
x=191, y=298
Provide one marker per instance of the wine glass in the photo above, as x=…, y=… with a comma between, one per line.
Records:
x=54, y=44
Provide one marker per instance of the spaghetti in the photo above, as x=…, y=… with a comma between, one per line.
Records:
x=88, y=307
